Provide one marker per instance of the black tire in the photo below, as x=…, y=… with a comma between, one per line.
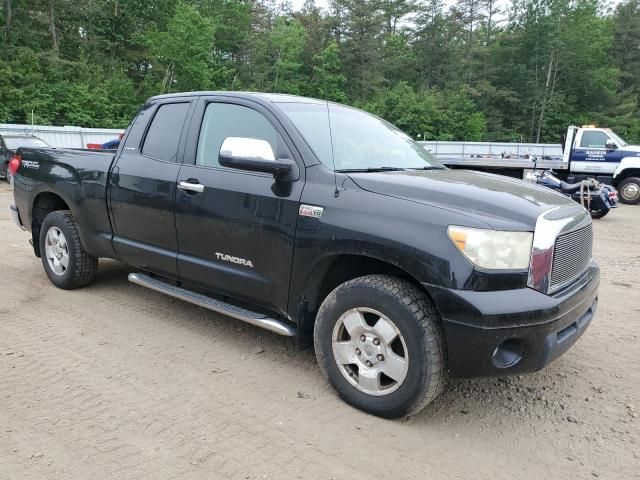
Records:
x=626, y=185
x=598, y=214
x=4, y=171
x=82, y=267
x=418, y=323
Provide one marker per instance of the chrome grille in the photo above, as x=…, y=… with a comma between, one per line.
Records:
x=571, y=256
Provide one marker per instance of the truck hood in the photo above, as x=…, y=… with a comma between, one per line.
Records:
x=631, y=149
x=501, y=202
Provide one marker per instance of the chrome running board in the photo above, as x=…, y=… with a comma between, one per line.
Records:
x=254, y=318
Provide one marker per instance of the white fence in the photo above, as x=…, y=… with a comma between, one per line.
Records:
x=78, y=137
x=63, y=137
x=482, y=149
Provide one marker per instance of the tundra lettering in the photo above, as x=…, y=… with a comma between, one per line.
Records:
x=229, y=258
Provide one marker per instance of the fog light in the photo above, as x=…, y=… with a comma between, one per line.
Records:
x=508, y=353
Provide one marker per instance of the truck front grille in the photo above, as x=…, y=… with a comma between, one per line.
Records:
x=571, y=256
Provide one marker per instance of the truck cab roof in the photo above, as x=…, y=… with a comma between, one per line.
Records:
x=269, y=97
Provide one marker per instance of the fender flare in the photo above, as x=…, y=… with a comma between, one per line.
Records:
x=627, y=163
x=46, y=189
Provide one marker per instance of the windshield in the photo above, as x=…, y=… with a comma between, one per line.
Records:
x=617, y=139
x=350, y=139
x=13, y=143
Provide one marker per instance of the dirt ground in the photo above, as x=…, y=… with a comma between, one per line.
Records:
x=116, y=382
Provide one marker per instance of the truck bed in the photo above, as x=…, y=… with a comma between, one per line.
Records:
x=80, y=178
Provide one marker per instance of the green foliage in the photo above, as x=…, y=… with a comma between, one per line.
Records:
x=466, y=71
x=288, y=38
x=430, y=114
x=327, y=80
x=183, y=53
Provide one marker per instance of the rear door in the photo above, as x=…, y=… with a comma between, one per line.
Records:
x=236, y=236
x=142, y=189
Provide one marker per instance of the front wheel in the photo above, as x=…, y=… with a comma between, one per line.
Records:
x=598, y=214
x=379, y=341
x=65, y=261
x=629, y=190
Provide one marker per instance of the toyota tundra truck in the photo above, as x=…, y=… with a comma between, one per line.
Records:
x=324, y=223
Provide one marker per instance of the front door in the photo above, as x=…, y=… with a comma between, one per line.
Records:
x=142, y=189
x=591, y=156
x=236, y=236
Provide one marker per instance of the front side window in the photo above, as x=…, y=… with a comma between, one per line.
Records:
x=349, y=139
x=163, y=136
x=222, y=120
x=593, y=139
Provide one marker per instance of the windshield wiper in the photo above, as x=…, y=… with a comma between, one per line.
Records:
x=428, y=167
x=370, y=169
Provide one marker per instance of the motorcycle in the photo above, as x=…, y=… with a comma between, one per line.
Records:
x=596, y=197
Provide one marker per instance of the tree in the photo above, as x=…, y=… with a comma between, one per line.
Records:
x=184, y=51
x=287, y=41
x=327, y=81
x=360, y=39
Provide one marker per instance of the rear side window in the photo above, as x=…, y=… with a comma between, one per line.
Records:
x=163, y=135
x=222, y=120
x=14, y=143
x=593, y=139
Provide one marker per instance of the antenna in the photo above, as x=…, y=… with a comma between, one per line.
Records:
x=336, y=192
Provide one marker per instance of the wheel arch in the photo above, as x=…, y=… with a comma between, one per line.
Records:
x=629, y=167
x=43, y=204
x=334, y=270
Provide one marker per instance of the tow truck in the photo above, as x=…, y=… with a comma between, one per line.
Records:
x=586, y=152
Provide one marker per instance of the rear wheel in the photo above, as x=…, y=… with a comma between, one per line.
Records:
x=629, y=190
x=379, y=341
x=65, y=261
x=4, y=170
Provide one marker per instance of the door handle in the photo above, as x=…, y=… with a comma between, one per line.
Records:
x=191, y=187
x=115, y=175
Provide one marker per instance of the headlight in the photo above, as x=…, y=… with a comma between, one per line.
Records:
x=493, y=249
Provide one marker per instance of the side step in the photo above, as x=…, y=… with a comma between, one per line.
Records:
x=254, y=318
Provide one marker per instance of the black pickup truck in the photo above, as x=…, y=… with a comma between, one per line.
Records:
x=324, y=223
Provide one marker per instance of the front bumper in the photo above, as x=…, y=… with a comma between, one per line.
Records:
x=514, y=331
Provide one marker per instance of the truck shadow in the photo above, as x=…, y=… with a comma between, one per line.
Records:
x=503, y=401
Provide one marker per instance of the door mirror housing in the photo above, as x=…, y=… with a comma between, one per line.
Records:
x=255, y=155
x=610, y=145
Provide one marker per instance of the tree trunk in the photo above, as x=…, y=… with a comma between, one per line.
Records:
x=52, y=28
x=275, y=83
x=7, y=22
x=546, y=96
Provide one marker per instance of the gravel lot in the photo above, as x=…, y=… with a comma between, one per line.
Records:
x=115, y=381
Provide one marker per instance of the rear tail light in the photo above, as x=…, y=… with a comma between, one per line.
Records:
x=14, y=164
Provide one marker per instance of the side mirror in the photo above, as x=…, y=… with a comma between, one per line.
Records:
x=610, y=145
x=255, y=155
